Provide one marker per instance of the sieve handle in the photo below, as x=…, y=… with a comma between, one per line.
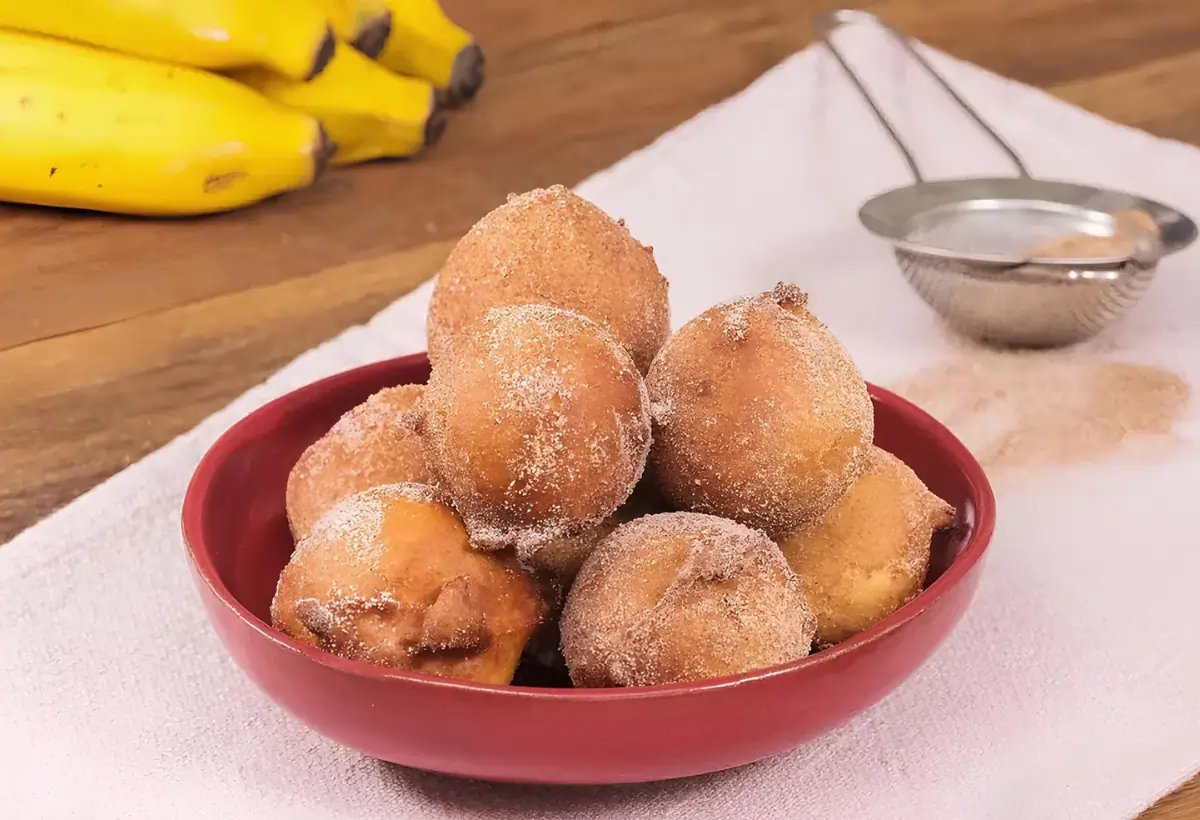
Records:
x=825, y=24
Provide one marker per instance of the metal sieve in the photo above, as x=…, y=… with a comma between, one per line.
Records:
x=1013, y=261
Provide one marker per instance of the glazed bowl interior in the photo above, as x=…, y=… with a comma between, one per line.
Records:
x=243, y=532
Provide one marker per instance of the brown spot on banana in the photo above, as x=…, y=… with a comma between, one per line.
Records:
x=219, y=182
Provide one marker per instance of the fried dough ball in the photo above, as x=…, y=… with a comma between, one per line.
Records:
x=388, y=576
x=759, y=414
x=537, y=426
x=374, y=443
x=551, y=247
x=682, y=597
x=869, y=555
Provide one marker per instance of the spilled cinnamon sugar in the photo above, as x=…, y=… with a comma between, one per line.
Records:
x=1028, y=410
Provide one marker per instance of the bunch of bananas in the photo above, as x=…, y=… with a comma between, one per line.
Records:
x=183, y=107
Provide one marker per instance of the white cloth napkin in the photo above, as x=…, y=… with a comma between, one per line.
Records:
x=1071, y=690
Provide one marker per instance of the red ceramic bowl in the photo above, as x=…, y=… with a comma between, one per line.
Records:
x=238, y=540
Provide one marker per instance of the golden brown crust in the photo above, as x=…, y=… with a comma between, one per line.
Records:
x=760, y=415
x=869, y=555
x=549, y=246
x=374, y=443
x=388, y=576
x=537, y=425
x=682, y=596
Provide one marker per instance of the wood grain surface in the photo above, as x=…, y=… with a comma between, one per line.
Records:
x=118, y=334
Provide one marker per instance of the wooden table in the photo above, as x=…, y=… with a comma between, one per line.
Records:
x=116, y=335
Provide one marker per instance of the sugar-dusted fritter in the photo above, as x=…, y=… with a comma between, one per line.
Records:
x=537, y=425
x=869, y=555
x=389, y=576
x=549, y=246
x=682, y=597
x=760, y=415
x=374, y=443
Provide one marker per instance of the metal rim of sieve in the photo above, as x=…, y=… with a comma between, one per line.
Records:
x=891, y=215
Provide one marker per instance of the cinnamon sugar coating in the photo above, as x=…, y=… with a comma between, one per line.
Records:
x=682, y=597
x=537, y=425
x=549, y=246
x=759, y=413
x=389, y=576
x=869, y=555
x=374, y=443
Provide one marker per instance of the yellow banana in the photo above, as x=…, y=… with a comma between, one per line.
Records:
x=364, y=24
x=291, y=38
x=425, y=43
x=82, y=127
x=368, y=111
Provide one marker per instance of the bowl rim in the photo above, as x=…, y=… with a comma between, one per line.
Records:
x=201, y=483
